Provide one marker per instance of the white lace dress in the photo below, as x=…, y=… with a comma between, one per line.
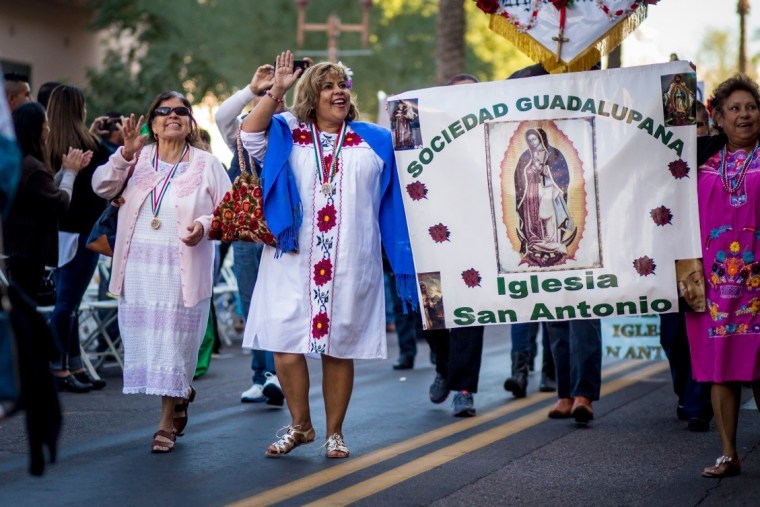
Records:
x=161, y=336
x=328, y=298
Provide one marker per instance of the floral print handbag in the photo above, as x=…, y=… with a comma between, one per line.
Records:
x=240, y=215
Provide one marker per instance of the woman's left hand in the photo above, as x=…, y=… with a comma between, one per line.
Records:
x=195, y=236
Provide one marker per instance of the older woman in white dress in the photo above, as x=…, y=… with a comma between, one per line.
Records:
x=162, y=263
x=331, y=193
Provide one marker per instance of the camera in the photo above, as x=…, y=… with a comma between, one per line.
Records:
x=111, y=124
x=298, y=64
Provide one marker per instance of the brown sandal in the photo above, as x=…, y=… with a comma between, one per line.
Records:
x=166, y=444
x=180, y=422
x=725, y=466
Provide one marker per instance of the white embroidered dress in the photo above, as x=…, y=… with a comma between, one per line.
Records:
x=161, y=336
x=328, y=298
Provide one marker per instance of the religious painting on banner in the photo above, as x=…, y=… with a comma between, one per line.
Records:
x=563, y=197
x=544, y=171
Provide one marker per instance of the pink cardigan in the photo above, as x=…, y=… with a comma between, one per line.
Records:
x=198, y=191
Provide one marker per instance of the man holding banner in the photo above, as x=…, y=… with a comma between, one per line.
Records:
x=617, y=226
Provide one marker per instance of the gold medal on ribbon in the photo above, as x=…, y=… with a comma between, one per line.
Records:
x=155, y=223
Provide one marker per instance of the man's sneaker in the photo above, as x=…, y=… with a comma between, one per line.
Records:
x=254, y=394
x=464, y=405
x=439, y=389
x=273, y=391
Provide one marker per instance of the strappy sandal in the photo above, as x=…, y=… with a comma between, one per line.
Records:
x=166, y=444
x=336, y=447
x=725, y=466
x=180, y=422
x=289, y=440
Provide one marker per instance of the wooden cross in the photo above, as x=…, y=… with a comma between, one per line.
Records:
x=333, y=28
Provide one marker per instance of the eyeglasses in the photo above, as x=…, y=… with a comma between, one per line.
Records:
x=166, y=111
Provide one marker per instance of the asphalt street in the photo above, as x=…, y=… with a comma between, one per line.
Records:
x=404, y=450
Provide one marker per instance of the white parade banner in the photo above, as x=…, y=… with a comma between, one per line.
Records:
x=557, y=197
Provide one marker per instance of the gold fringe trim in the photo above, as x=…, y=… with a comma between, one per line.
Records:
x=585, y=60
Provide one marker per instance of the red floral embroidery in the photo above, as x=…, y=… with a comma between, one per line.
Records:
x=326, y=218
x=302, y=136
x=352, y=139
x=471, y=277
x=417, y=190
x=320, y=325
x=439, y=233
x=257, y=192
x=322, y=272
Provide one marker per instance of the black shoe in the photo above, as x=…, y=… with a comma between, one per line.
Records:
x=517, y=385
x=404, y=363
x=698, y=425
x=85, y=378
x=71, y=384
x=548, y=384
x=681, y=413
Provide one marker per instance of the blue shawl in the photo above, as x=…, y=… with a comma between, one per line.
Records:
x=284, y=214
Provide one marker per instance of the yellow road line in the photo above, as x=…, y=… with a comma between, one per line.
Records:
x=468, y=445
x=318, y=479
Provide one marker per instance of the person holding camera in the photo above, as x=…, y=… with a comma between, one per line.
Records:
x=108, y=127
x=265, y=385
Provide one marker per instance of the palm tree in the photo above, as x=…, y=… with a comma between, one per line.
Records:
x=742, y=8
x=449, y=39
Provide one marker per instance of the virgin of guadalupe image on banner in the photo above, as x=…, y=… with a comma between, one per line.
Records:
x=678, y=99
x=543, y=191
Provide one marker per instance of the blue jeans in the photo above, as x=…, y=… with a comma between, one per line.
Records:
x=524, y=336
x=71, y=282
x=246, y=268
x=692, y=395
x=577, y=351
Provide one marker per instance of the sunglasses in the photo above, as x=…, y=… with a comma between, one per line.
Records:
x=166, y=111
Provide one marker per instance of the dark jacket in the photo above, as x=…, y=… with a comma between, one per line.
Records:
x=86, y=206
x=31, y=228
x=707, y=146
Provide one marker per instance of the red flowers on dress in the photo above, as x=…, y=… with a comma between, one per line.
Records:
x=323, y=272
x=320, y=325
x=326, y=218
x=302, y=136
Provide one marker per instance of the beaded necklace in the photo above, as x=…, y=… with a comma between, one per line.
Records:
x=734, y=183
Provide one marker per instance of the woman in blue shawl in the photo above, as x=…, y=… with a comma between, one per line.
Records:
x=331, y=196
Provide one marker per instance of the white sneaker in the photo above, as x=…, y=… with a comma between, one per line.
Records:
x=254, y=394
x=273, y=391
